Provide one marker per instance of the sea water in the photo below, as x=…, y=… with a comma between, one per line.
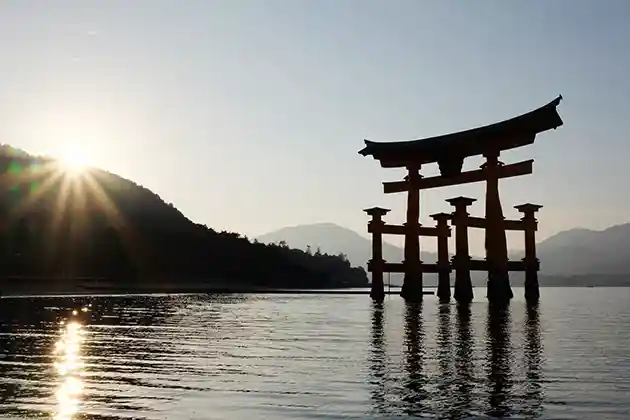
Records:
x=315, y=357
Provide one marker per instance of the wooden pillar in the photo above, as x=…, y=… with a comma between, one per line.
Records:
x=443, y=263
x=412, y=283
x=532, y=264
x=377, y=292
x=461, y=260
x=499, y=289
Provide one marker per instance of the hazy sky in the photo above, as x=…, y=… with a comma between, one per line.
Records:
x=248, y=115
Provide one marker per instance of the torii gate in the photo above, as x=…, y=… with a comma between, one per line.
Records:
x=449, y=152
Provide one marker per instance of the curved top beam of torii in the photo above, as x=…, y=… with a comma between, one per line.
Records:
x=515, y=132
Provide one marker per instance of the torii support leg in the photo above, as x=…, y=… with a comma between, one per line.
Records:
x=461, y=260
x=532, y=265
x=499, y=290
x=377, y=264
x=412, y=283
x=444, y=265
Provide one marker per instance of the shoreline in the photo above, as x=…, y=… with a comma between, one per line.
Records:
x=253, y=292
x=21, y=288
x=196, y=290
x=25, y=289
x=222, y=291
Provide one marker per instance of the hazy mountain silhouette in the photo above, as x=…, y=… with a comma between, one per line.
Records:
x=331, y=238
x=58, y=224
x=584, y=252
x=335, y=239
x=574, y=257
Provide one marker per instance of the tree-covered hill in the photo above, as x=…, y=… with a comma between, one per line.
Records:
x=57, y=223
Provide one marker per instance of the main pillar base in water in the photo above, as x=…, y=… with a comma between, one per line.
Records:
x=412, y=289
x=532, y=290
x=444, y=287
x=463, y=292
x=377, y=292
x=499, y=290
x=463, y=284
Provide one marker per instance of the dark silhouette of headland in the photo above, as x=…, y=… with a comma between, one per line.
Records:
x=449, y=152
x=94, y=231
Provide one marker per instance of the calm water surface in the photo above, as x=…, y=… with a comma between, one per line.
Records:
x=314, y=357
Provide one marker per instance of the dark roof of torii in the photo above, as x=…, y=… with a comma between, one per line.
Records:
x=516, y=132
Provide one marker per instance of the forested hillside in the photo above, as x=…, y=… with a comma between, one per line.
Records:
x=59, y=223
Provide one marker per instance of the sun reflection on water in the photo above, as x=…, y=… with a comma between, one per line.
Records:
x=69, y=367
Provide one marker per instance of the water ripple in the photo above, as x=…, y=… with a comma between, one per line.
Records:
x=307, y=356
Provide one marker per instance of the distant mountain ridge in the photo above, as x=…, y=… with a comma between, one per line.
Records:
x=584, y=252
x=320, y=234
x=334, y=239
x=577, y=253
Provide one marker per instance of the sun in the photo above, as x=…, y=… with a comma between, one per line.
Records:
x=74, y=160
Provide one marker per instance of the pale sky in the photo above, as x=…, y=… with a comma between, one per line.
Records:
x=248, y=115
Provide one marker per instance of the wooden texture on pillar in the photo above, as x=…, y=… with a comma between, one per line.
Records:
x=412, y=283
x=377, y=264
x=499, y=289
x=461, y=260
x=532, y=265
x=444, y=266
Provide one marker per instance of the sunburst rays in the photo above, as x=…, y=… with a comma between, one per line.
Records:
x=73, y=196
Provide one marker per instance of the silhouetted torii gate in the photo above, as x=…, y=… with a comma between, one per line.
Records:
x=449, y=152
